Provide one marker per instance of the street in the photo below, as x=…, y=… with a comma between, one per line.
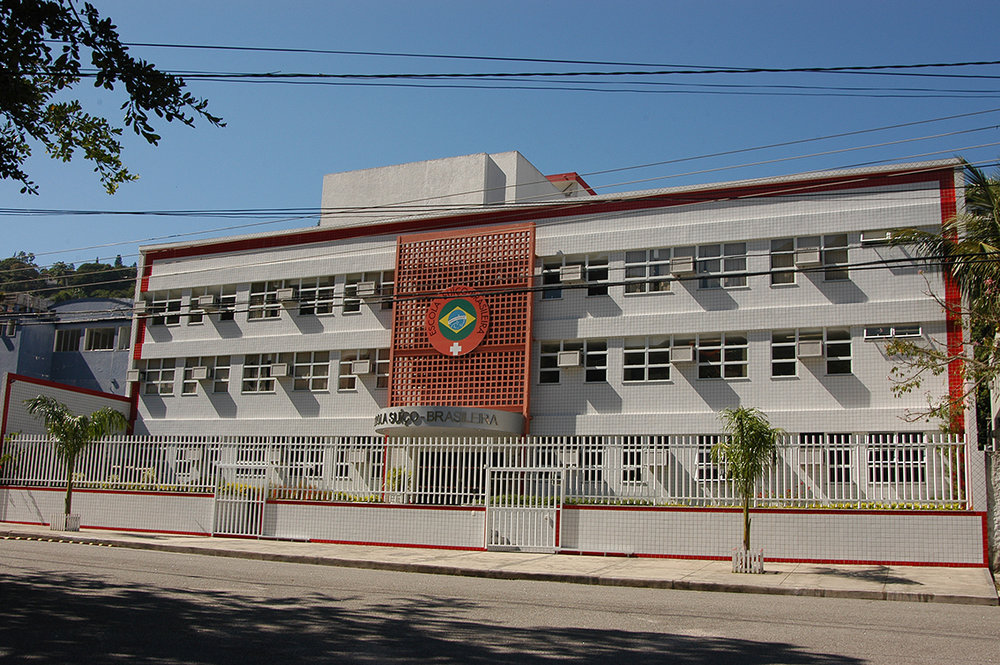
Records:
x=66, y=603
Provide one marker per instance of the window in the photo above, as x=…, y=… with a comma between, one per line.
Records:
x=342, y=469
x=99, y=339
x=382, y=368
x=646, y=359
x=306, y=462
x=726, y=264
x=838, y=351
x=312, y=371
x=220, y=375
x=722, y=356
x=257, y=373
x=705, y=468
x=316, y=296
x=68, y=340
x=225, y=303
x=835, y=257
x=646, y=271
x=595, y=273
x=595, y=354
x=838, y=458
x=124, y=337
x=783, y=261
x=631, y=461
x=784, y=349
x=888, y=332
x=165, y=308
x=548, y=359
x=347, y=379
x=592, y=466
x=159, y=378
x=264, y=300
x=896, y=458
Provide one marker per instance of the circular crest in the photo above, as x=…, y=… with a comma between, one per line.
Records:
x=457, y=323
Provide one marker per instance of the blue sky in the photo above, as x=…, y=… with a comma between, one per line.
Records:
x=281, y=139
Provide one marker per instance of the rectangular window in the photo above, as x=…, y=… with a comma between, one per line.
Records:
x=68, y=340
x=784, y=349
x=99, y=339
x=159, y=376
x=835, y=257
x=888, y=332
x=386, y=285
x=124, y=337
x=382, y=368
x=705, y=468
x=722, y=265
x=257, y=373
x=594, y=271
x=722, y=356
x=316, y=296
x=596, y=360
x=646, y=271
x=783, y=261
x=165, y=308
x=306, y=462
x=264, y=300
x=895, y=458
x=342, y=469
x=189, y=384
x=347, y=380
x=838, y=351
x=646, y=359
x=548, y=359
x=352, y=303
x=312, y=371
x=592, y=467
x=838, y=458
x=220, y=375
x=631, y=462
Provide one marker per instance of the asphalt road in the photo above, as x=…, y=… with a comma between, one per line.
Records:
x=71, y=603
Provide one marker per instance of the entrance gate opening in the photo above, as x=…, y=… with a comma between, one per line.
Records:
x=240, y=496
x=523, y=509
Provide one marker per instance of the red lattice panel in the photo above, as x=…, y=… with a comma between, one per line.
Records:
x=498, y=263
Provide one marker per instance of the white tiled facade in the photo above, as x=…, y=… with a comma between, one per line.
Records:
x=745, y=316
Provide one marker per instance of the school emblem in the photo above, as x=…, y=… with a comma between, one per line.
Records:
x=457, y=323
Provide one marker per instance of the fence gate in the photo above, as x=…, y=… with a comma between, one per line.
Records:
x=523, y=509
x=240, y=493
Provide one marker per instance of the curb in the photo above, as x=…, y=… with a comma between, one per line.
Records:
x=569, y=578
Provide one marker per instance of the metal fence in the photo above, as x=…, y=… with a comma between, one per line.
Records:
x=833, y=471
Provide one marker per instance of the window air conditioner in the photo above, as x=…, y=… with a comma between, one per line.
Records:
x=201, y=373
x=570, y=274
x=807, y=258
x=10, y=328
x=286, y=297
x=682, y=354
x=133, y=375
x=876, y=237
x=568, y=359
x=209, y=302
x=367, y=290
x=810, y=349
x=682, y=265
x=361, y=367
x=279, y=370
x=140, y=307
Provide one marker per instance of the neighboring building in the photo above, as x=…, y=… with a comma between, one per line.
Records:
x=638, y=313
x=83, y=343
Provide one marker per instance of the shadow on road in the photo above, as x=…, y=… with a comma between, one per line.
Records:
x=66, y=619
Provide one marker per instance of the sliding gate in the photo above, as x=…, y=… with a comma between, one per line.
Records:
x=240, y=496
x=523, y=509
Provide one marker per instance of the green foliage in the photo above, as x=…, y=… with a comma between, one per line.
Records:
x=72, y=433
x=33, y=73
x=749, y=444
x=61, y=281
x=968, y=246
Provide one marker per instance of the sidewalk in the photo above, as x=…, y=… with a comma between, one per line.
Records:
x=911, y=583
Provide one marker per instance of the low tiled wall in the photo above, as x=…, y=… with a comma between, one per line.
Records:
x=955, y=538
x=927, y=538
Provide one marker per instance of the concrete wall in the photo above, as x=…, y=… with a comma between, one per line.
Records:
x=17, y=389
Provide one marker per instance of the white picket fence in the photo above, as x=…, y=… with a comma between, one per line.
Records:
x=844, y=471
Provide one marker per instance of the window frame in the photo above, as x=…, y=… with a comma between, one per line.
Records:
x=105, y=333
x=725, y=270
x=649, y=364
x=257, y=379
x=311, y=371
x=263, y=300
x=161, y=374
x=64, y=338
x=724, y=361
x=642, y=275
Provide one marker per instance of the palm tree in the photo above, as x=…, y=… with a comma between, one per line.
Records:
x=71, y=433
x=748, y=445
x=969, y=242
